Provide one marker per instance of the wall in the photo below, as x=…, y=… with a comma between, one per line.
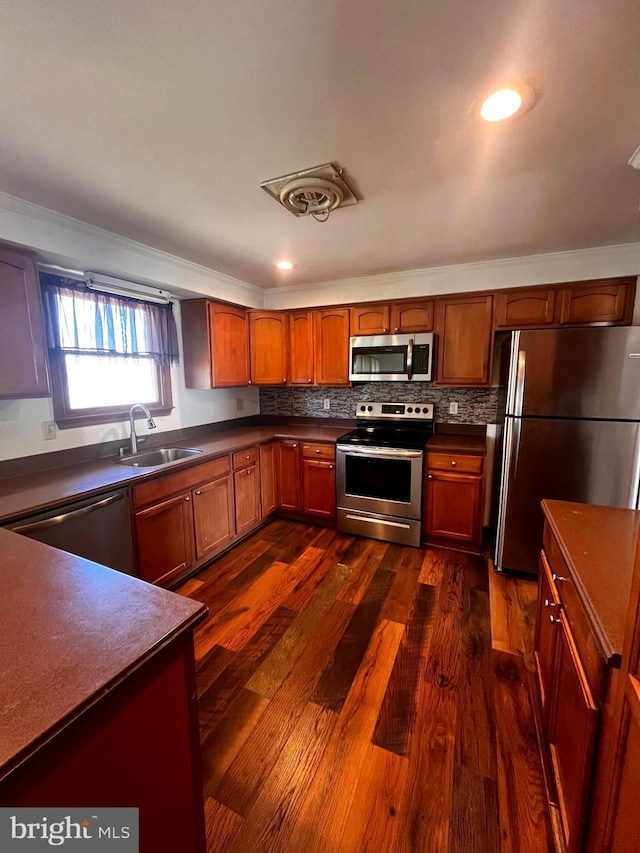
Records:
x=475, y=405
x=20, y=420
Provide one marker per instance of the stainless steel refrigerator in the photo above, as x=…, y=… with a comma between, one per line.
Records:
x=571, y=430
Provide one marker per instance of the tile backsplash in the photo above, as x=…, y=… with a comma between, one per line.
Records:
x=475, y=405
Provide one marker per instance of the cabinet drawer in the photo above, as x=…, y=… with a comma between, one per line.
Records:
x=180, y=481
x=242, y=458
x=592, y=661
x=462, y=462
x=319, y=451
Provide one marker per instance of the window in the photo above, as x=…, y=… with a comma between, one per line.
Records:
x=106, y=353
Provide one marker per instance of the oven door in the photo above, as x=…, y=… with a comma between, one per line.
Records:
x=381, y=480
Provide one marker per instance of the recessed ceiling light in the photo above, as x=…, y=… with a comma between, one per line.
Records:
x=285, y=266
x=506, y=102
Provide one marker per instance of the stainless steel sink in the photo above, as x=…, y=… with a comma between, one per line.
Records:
x=160, y=456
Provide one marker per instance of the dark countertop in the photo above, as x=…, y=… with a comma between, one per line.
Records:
x=69, y=631
x=599, y=545
x=448, y=443
x=21, y=496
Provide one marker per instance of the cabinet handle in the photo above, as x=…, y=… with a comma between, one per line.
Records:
x=284, y=380
x=309, y=380
x=187, y=498
x=453, y=463
x=430, y=477
x=247, y=456
x=249, y=471
x=385, y=330
x=548, y=603
x=198, y=492
x=553, y=620
x=249, y=382
x=331, y=467
x=317, y=451
x=294, y=445
x=397, y=329
x=556, y=577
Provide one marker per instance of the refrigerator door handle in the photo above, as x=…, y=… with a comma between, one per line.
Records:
x=505, y=476
x=518, y=393
x=516, y=431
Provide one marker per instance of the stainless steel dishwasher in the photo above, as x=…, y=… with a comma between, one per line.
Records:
x=97, y=528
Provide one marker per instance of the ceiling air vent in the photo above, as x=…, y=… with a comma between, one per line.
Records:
x=312, y=192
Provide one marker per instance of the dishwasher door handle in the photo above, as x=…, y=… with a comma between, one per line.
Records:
x=31, y=527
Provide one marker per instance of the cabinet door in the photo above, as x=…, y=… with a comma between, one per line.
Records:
x=370, y=320
x=545, y=639
x=453, y=508
x=213, y=516
x=301, y=348
x=463, y=347
x=609, y=301
x=268, y=345
x=572, y=739
x=332, y=346
x=229, y=342
x=412, y=316
x=319, y=488
x=521, y=309
x=268, y=496
x=625, y=828
x=288, y=478
x=247, y=494
x=165, y=538
x=23, y=358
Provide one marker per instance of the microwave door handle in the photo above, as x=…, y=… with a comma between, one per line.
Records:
x=410, y=359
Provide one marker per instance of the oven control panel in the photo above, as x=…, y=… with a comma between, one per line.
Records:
x=395, y=411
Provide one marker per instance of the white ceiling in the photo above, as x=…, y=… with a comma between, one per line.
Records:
x=159, y=119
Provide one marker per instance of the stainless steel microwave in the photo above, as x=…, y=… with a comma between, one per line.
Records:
x=391, y=358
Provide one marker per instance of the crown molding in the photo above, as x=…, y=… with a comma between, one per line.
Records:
x=57, y=237
x=550, y=268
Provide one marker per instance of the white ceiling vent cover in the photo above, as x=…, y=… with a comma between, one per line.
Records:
x=312, y=192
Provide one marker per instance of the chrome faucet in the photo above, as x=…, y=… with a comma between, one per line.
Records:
x=150, y=423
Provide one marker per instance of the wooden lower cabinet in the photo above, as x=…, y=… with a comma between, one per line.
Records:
x=288, y=466
x=319, y=488
x=247, y=494
x=165, y=538
x=268, y=489
x=572, y=737
x=136, y=745
x=545, y=644
x=453, y=495
x=213, y=517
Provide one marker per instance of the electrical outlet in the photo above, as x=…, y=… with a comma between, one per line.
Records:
x=239, y=404
x=326, y=405
x=453, y=408
x=48, y=430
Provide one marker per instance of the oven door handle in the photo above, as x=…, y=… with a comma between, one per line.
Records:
x=379, y=452
x=410, y=359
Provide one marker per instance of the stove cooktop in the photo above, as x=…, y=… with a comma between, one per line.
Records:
x=407, y=425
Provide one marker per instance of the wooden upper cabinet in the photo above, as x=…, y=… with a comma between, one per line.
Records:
x=301, y=348
x=464, y=340
x=370, y=320
x=415, y=316
x=268, y=335
x=609, y=301
x=215, y=339
x=23, y=355
x=525, y=308
x=396, y=319
x=331, y=346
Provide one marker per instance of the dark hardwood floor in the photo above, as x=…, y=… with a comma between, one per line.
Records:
x=362, y=696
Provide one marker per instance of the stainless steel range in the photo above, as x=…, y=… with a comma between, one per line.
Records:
x=379, y=469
